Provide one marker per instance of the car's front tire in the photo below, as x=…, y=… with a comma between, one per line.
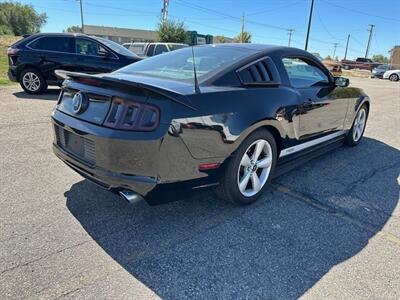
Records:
x=356, y=132
x=249, y=171
x=32, y=81
x=394, y=77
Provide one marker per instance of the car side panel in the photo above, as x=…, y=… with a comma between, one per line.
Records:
x=224, y=119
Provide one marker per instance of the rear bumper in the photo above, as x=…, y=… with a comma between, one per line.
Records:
x=107, y=179
x=145, y=163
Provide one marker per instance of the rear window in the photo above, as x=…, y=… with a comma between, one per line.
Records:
x=137, y=49
x=160, y=49
x=173, y=47
x=178, y=65
x=53, y=43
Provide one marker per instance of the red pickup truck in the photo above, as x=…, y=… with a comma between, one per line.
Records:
x=359, y=63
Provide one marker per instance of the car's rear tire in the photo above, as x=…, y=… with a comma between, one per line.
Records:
x=250, y=169
x=394, y=77
x=32, y=81
x=346, y=67
x=356, y=132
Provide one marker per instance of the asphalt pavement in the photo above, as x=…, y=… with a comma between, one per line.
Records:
x=329, y=229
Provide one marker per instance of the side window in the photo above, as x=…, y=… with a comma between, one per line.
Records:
x=88, y=47
x=53, y=43
x=302, y=74
x=150, y=50
x=160, y=49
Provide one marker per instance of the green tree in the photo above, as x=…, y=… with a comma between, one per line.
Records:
x=20, y=19
x=328, y=57
x=220, y=39
x=73, y=29
x=243, y=37
x=171, y=31
x=380, y=58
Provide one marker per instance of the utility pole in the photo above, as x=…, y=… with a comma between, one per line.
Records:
x=164, y=10
x=347, y=46
x=290, y=32
x=370, y=29
x=334, y=50
x=82, y=25
x=309, y=24
x=242, y=28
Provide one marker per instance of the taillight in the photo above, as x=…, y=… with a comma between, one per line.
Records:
x=128, y=115
x=12, y=51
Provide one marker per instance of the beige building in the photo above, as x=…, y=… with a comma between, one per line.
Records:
x=127, y=35
x=121, y=35
x=395, y=56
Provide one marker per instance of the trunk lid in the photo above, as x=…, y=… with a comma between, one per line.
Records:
x=89, y=97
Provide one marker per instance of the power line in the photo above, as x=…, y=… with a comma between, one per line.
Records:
x=212, y=11
x=323, y=25
x=362, y=12
x=273, y=9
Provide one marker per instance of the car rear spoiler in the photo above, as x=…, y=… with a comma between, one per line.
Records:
x=93, y=79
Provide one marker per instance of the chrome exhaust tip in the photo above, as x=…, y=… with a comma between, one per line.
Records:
x=130, y=196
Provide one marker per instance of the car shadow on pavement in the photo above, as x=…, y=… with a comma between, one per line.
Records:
x=312, y=219
x=50, y=94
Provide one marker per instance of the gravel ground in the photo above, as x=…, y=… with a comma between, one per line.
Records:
x=329, y=229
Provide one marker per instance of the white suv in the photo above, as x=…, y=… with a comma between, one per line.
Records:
x=152, y=49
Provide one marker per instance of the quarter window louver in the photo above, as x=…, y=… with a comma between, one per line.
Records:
x=259, y=72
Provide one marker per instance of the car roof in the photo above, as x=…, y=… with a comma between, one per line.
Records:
x=254, y=47
x=166, y=43
x=263, y=49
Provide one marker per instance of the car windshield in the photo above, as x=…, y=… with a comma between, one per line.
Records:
x=178, y=65
x=383, y=67
x=115, y=47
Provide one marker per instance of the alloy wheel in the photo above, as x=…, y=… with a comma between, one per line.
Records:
x=254, y=168
x=359, y=124
x=393, y=77
x=31, y=81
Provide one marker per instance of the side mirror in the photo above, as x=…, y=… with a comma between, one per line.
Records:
x=342, y=82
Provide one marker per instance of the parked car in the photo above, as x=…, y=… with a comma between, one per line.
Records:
x=152, y=49
x=380, y=70
x=33, y=60
x=360, y=63
x=392, y=75
x=241, y=116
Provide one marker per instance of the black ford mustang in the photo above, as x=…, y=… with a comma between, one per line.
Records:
x=229, y=115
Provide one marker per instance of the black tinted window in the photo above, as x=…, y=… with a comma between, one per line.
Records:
x=150, y=50
x=88, y=47
x=53, y=43
x=160, y=49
